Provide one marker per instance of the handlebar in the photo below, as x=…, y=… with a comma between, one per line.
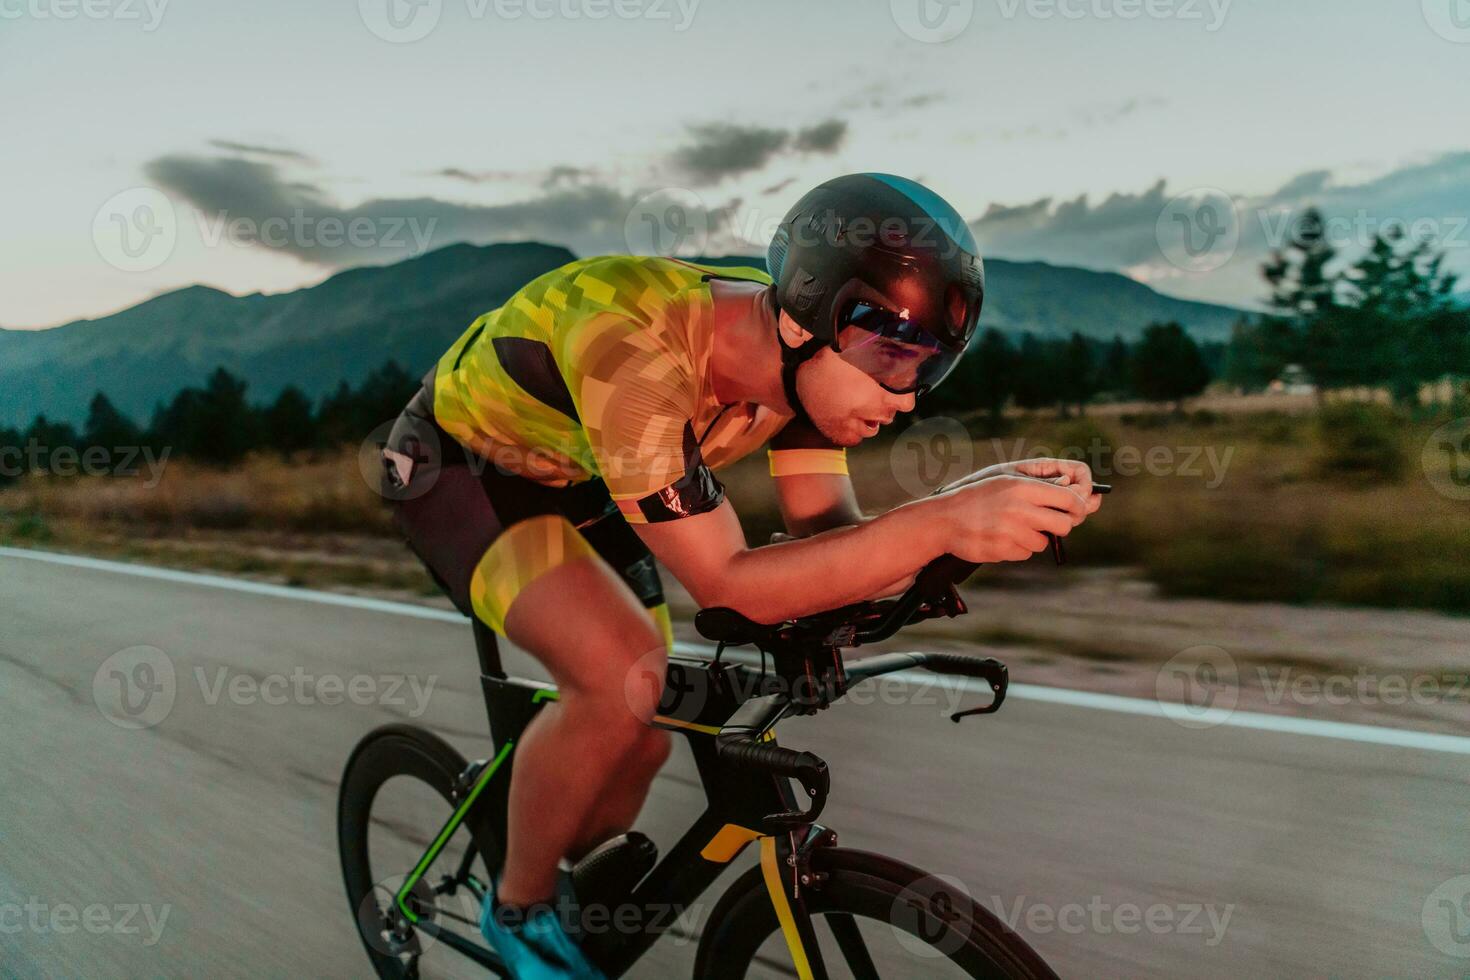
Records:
x=740, y=743
x=932, y=594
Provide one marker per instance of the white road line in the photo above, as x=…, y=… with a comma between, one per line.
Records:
x=1281, y=724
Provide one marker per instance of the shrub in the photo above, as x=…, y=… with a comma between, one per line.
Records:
x=1360, y=442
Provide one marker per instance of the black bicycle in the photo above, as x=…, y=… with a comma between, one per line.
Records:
x=808, y=907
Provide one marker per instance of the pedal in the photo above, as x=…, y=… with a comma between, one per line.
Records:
x=608, y=873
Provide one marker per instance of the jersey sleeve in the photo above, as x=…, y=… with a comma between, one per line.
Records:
x=799, y=448
x=636, y=397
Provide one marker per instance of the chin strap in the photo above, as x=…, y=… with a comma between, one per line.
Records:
x=791, y=359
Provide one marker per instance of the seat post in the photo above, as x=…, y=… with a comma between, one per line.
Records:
x=488, y=648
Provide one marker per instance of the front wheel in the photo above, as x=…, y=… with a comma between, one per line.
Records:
x=871, y=917
x=399, y=788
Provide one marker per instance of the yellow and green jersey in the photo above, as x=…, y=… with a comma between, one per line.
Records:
x=601, y=370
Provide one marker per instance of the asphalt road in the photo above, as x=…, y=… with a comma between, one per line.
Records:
x=1127, y=846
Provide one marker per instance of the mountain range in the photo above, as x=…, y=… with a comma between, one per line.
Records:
x=411, y=311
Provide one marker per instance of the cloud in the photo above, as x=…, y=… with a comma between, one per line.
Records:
x=474, y=176
x=589, y=218
x=722, y=150
x=1120, y=232
x=824, y=137
x=262, y=151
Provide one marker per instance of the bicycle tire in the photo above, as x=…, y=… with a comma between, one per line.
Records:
x=873, y=887
x=388, y=752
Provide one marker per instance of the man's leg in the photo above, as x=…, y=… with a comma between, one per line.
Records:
x=583, y=767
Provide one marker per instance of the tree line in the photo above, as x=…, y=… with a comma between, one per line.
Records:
x=1164, y=365
x=1389, y=320
x=219, y=425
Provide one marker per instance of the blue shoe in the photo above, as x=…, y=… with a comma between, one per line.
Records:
x=537, y=949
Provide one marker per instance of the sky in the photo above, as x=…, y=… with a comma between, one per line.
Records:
x=147, y=145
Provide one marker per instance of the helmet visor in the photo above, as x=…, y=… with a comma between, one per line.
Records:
x=893, y=350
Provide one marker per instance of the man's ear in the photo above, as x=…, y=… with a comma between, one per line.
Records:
x=792, y=332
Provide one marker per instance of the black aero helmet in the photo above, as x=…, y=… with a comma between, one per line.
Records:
x=884, y=271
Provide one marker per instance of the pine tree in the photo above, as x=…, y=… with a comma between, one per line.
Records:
x=1167, y=365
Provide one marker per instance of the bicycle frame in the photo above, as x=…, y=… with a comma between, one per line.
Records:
x=704, y=697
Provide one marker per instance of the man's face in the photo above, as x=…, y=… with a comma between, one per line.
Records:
x=845, y=404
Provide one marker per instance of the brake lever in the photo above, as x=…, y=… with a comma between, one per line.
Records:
x=998, y=677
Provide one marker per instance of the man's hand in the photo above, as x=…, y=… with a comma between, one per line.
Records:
x=1062, y=472
x=1008, y=517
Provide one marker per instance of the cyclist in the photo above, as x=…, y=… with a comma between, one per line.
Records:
x=571, y=436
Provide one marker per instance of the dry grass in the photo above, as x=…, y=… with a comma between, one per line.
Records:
x=1260, y=519
x=326, y=493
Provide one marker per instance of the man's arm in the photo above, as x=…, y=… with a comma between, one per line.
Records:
x=707, y=553
x=815, y=502
x=1006, y=518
